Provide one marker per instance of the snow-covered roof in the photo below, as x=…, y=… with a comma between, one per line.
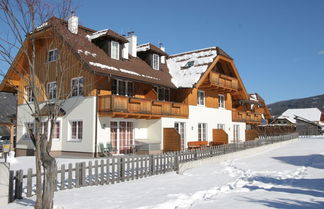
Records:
x=187, y=68
x=97, y=34
x=292, y=120
x=143, y=47
x=311, y=114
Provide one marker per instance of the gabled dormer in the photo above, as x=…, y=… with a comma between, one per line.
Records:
x=115, y=45
x=152, y=55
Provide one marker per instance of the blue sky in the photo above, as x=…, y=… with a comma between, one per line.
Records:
x=277, y=45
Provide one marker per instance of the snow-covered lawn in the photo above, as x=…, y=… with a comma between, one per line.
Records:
x=291, y=176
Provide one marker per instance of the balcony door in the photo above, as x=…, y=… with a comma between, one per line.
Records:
x=122, y=136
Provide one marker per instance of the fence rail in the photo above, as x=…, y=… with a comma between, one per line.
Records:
x=118, y=169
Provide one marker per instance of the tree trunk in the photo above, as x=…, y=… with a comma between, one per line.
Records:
x=50, y=172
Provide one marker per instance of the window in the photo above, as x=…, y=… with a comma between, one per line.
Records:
x=115, y=50
x=77, y=129
x=221, y=101
x=201, y=98
x=180, y=128
x=202, y=132
x=52, y=55
x=163, y=93
x=44, y=128
x=124, y=88
x=56, y=130
x=236, y=133
x=29, y=126
x=156, y=62
x=51, y=90
x=77, y=86
x=122, y=136
x=188, y=65
x=221, y=126
x=29, y=94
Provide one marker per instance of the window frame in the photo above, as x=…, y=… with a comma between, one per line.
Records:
x=164, y=90
x=112, y=47
x=54, y=57
x=29, y=94
x=221, y=102
x=156, y=61
x=202, y=132
x=199, y=93
x=181, y=126
x=126, y=90
x=221, y=126
x=79, y=93
x=59, y=131
x=77, y=139
x=50, y=91
x=26, y=124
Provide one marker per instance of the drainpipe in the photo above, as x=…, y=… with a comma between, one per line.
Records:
x=96, y=124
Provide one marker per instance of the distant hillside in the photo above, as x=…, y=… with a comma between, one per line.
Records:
x=279, y=107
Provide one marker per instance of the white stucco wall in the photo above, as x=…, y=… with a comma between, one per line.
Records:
x=152, y=130
x=77, y=108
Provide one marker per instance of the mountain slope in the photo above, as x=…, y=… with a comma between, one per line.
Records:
x=314, y=101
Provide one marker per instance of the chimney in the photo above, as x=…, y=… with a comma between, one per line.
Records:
x=73, y=23
x=162, y=57
x=125, y=50
x=132, y=43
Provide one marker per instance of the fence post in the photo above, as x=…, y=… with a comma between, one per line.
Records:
x=29, y=182
x=151, y=165
x=122, y=169
x=176, y=162
x=11, y=180
x=19, y=184
x=77, y=175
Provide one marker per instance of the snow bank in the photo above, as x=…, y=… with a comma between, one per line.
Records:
x=230, y=156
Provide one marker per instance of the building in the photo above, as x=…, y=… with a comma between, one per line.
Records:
x=305, y=127
x=310, y=114
x=8, y=104
x=130, y=95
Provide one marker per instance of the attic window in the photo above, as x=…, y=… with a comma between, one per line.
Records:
x=52, y=55
x=156, y=62
x=188, y=65
x=115, y=50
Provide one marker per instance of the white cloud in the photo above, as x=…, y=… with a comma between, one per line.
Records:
x=321, y=52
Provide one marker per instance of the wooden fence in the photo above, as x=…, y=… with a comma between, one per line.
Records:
x=118, y=169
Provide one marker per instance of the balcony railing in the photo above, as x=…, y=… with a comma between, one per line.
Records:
x=141, y=108
x=223, y=81
x=248, y=117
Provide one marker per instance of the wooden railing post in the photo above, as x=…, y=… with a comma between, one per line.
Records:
x=176, y=162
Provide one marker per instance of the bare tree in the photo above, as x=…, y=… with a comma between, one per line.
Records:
x=24, y=19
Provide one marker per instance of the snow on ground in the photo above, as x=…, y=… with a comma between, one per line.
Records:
x=288, y=177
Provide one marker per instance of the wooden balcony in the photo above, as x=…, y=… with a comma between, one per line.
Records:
x=126, y=107
x=247, y=117
x=221, y=82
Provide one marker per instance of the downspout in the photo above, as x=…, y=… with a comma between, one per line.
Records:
x=96, y=125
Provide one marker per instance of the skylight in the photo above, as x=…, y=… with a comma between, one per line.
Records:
x=188, y=65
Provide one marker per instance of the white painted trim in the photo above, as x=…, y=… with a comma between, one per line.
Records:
x=111, y=50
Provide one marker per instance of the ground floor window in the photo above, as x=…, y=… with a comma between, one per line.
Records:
x=236, y=133
x=76, y=130
x=180, y=128
x=221, y=126
x=202, y=132
x=122, y=136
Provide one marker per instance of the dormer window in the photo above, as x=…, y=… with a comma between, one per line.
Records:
x=156, y=62
x=52, y=55
x=115, y=50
